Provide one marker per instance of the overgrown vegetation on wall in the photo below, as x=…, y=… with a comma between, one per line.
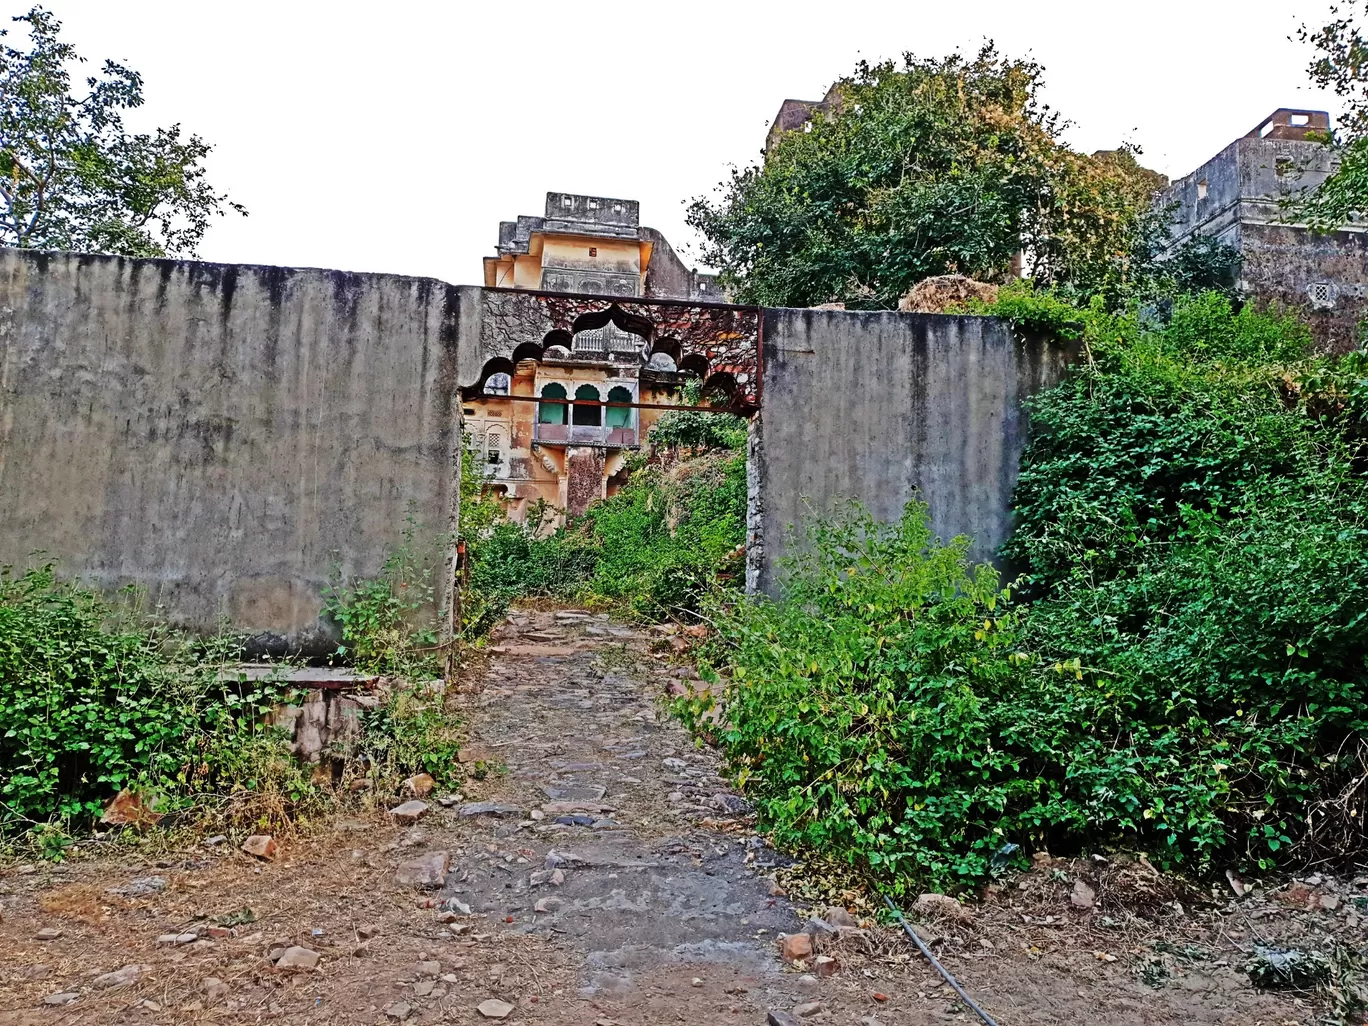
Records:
x=1181, y=670
x=387, y=624
x=96, y=698
x=655, y=548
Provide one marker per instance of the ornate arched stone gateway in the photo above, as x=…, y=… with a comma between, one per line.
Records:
x=721, y=343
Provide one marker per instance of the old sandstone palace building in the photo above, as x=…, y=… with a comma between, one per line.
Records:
x=553, y=428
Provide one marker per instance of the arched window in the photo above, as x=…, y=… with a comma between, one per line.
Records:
x=618, y=416
x=551, y=413
x=494, y=448
x=587, y=416
x=497, y=384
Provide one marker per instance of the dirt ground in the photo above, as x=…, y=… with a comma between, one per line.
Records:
x=617, y=881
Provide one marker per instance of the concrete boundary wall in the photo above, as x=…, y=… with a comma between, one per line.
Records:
x=225, y=436
x=221, y=435
x=882, y=407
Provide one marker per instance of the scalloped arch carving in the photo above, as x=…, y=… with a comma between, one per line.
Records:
x=723, y=339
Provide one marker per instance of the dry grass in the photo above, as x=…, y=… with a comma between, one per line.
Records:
x=946, y=293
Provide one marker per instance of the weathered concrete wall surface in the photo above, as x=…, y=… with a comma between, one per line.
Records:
x=1284, y=266
x=880, y=407
x=220, y=435
x=217, y=434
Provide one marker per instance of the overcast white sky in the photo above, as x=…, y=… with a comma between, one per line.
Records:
x=395, y=136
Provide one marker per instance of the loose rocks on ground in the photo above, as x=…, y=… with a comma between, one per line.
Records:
x=295, y=957
x=261, y=846
x=125, y=977
x=495, y=1009
x=426, y=872
x=409, y=812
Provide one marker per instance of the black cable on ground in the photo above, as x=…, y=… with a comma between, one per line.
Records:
x=944, y=972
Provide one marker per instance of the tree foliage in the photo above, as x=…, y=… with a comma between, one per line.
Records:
x=1341, y=64
x=72, y=177
x=922, y=168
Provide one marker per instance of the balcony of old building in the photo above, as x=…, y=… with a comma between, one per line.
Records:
x=585, y=420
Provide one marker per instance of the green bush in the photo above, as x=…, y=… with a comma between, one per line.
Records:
x=93, y=701
x=1188, y=677
x=1231, y=661
x=876, y=710
x=655, y=548
x=89, y=706
x=893, y=708
x=1192, y=528
x=664, y=539
x=696, y=429
x=512, y=561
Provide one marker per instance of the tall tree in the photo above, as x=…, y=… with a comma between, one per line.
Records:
x=71, y=176
x=922, y=168
x=1341, y=64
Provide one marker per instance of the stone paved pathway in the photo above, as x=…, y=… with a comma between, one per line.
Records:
x=660, y=878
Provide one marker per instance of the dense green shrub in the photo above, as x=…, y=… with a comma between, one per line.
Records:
x=1193, y=529
x=95, y=699
x=674, y=531
x=1239, y=649
x=871, y=711
x=664, y=539
x=698, y=429
x=1188, y=676
x=1159, y=421
x=89, y=706
x=512, y=561
x=1335, y=397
